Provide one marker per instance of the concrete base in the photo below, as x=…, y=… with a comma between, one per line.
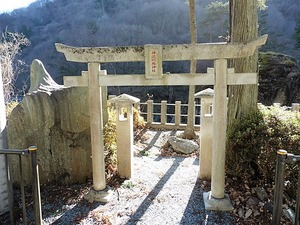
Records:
x=104, y=195
x=220, y=204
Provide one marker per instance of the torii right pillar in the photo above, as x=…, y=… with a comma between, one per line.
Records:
x=216, y=199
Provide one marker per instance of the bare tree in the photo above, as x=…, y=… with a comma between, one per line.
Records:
x=10, y=47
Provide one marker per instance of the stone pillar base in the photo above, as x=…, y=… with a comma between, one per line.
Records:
x=220, y=204
x=104, y=195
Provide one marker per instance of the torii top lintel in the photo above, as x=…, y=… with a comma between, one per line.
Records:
x=207, y=51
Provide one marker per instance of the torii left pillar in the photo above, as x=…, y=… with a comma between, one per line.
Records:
x=100, y=192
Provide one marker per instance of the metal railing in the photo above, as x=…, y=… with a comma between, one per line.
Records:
x=283, y=157
x=30, y=152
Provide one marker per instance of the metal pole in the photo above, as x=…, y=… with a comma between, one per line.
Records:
x=14, y=151
x=22, y=191
x=10, y=189
x=278, y=193
x=297, y=222
x=36, y=186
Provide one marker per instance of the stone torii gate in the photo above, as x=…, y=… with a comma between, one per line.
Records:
x=153, y=56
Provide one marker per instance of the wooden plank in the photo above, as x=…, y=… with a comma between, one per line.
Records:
x=207, y=51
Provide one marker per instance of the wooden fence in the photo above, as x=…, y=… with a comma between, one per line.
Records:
x=168, y=115
x=174, y=116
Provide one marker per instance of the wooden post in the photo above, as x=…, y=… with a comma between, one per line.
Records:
x=149, y=112
x=177, y=113
x=36, y=185
x=163, y=112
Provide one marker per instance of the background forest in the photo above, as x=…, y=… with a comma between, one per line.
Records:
x=135, y=22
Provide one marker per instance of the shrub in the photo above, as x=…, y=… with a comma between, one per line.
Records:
x=245, y=140
x=253, y=142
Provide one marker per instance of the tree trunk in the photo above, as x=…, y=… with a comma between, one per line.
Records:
x=189, y=132
x=243, y=28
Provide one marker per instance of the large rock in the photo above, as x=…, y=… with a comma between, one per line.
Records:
x=56, y=120
x=279, y=79
x=184, y=146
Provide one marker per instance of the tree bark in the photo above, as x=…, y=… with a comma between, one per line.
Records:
x=189, y=132
x=243, y=28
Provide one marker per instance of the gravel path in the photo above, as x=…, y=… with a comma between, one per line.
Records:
x=167, y=192
x=164, y=190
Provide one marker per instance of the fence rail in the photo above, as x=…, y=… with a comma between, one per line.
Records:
x=283, y=157
x=174, y=115
x=168, y=115
x=29, y=152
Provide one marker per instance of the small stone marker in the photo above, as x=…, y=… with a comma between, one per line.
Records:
x=206, y=134
x=124, y=125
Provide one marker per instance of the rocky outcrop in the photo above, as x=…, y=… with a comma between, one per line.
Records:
x=279, y=79
x=55, y=119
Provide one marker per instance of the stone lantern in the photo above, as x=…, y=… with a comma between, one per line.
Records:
x=124, y=125
x=206, y=133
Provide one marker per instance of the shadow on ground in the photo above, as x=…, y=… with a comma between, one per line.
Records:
x=196, y=209
x=135, y=218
